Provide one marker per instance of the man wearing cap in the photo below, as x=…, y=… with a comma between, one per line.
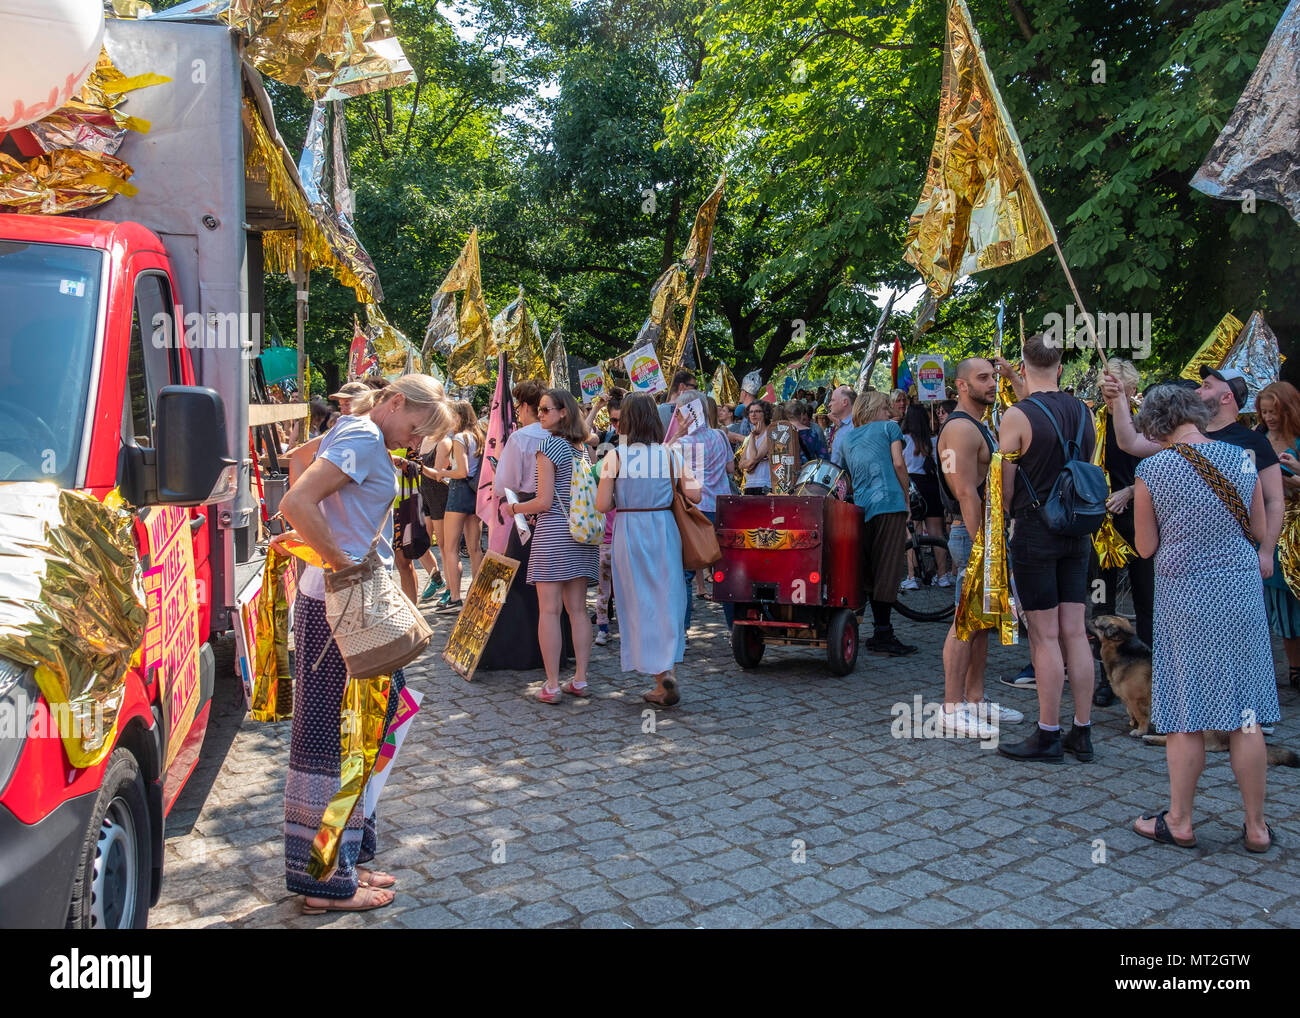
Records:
x=1224, y=391
x=347, y=394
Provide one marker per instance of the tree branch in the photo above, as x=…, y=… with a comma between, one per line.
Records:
x=1022, y=19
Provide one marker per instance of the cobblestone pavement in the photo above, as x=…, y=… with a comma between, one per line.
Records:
x=772, y=798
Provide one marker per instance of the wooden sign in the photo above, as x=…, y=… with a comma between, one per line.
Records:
x=479, y=616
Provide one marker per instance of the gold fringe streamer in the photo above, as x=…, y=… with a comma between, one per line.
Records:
x=986, y=601
x=361, y=730
x=265, y=163
x=1113, y=552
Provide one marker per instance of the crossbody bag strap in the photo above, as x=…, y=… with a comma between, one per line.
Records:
x=1218, y=484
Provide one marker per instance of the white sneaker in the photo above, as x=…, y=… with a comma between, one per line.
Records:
x=945, y=580
x=1001, y=715
x=909, y=584
x=963, y=723
x=602, y=637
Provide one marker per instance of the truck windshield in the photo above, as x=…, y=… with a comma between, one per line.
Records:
x=49, y=296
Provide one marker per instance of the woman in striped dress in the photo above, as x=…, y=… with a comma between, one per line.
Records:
x=558, y=566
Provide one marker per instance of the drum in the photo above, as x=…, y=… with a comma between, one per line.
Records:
x=822, y=477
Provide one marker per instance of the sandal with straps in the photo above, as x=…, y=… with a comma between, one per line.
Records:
x=1162, y=833
x=364, y=900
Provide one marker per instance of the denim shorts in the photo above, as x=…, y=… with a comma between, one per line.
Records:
x=959, y=547
x=462, y=496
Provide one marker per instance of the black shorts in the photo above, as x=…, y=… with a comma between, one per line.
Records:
x=1049, y=570
x=433, y=498
x=927, y=486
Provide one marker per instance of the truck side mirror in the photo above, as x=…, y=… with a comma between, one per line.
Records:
x=194, y=465
x=191, y=465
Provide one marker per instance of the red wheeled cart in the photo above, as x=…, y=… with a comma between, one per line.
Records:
x=792, y=566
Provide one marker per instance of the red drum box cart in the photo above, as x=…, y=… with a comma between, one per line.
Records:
x=792, y=566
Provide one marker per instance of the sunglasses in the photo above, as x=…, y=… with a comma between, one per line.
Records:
x=546, y=410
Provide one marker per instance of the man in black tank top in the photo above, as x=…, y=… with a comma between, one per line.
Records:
x=965, y=448
x=1050, y=571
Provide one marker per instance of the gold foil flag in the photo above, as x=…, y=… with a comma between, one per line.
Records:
x=515, y=333
x=979, y=207
x=467, y=361
x=396, y=354
x=661, y=327
x=71, y=607
x=557, y=361
x=698, y=256
x=1215, y=347
x=1112, y=550
x=725, y=389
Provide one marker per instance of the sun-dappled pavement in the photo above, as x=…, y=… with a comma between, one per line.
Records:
x=778, y=797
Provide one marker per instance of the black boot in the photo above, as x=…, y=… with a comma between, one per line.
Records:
x=883, y=641
x=1042, y=745
x=1103, y=695
x=1079, y=741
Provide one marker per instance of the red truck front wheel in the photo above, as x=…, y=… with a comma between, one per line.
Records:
x=112, y=890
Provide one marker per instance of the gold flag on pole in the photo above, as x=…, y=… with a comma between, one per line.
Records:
x=1215, y=347
x=979, y=207
x=467, y=362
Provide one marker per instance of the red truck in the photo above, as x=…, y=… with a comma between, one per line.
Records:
x=125, y=348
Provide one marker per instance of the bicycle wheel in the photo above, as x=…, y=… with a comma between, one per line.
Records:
x=928, y=602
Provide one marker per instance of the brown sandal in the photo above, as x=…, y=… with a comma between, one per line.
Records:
x=379, y=880
x=371, y=896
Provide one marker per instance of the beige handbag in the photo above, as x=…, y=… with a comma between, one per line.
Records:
x=376, y=627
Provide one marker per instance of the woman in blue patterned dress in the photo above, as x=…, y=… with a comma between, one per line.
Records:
x=558, y=566
x=637, y=479
x=1198, y=509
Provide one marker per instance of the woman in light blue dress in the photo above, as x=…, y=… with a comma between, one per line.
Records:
x=636, y=479
x=1198, y=508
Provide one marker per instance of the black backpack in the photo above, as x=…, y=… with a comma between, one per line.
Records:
x=1076, y=504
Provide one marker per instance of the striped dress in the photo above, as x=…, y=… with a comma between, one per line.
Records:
x=554, y=555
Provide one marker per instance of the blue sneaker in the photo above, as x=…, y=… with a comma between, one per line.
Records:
x=436, y=584
x=1025, y=680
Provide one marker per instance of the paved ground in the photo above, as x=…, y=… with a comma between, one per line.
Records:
x=773, y=798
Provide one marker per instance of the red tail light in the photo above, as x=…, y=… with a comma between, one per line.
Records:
x=717, y=577
x=815, y=577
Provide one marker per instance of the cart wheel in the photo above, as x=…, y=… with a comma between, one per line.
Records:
x=747, y=645
x=842, y=642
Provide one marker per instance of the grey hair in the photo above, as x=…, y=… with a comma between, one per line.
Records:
x=688, y=396
x=1166, y=408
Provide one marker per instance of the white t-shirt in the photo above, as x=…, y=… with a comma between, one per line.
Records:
x=761, y=475
x=356, y=446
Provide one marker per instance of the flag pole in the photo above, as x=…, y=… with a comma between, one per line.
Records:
x=1087, y=318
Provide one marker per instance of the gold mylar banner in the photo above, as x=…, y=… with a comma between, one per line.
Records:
x=71, y=606
x=515, y=333
x=361, y=731
x=467, y=361
x=698, y=256
x=396, y=354
x=979, y=207
x=667, y=297
x=725, y=387
x=768, y=539
x=273, y=683
x=331, y=49
x=557, y=361
x=476, y=620
x=986, y=592
x=1215, y=347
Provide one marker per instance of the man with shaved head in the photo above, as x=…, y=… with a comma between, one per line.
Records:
x=965, y=449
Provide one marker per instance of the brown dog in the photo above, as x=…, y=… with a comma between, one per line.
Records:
x=1127, y=661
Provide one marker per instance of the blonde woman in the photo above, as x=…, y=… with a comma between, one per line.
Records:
x=340, y=505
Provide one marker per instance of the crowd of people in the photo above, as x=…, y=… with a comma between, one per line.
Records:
x=1199, y=496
